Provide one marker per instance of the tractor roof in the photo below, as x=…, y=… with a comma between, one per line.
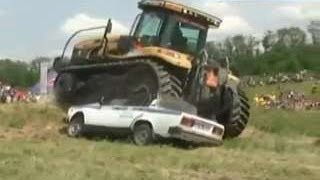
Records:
x=210, y=20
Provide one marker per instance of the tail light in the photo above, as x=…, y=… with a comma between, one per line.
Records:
x=187, y=122
x=217, y=131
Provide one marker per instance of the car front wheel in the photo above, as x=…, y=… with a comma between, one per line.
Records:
x=143, y=134
x=75, y=128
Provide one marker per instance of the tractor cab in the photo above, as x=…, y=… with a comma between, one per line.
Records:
x=172, y=26
x=167, y=30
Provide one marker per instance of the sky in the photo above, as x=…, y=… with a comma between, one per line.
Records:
x=33, y=28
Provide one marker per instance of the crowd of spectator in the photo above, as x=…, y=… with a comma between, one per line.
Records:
x=289, y=100
x=10, y=94
x=279, y=78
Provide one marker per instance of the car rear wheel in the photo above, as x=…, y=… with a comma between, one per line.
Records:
x=75, y=128
x=143, y=134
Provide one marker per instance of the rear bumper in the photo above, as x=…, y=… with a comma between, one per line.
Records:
x=189, y=135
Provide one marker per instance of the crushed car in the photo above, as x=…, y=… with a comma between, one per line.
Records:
x=145, y=125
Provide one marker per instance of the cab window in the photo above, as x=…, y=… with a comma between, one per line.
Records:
x=192, y=36
x=184, y=36
x=148, y=30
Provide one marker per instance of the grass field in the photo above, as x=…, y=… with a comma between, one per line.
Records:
x=276, y=145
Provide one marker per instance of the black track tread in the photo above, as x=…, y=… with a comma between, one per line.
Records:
x=176, y=80
x=168, y=83
x=240, y=115
x=177, y=88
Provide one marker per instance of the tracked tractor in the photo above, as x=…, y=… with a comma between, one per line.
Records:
x=163, y=56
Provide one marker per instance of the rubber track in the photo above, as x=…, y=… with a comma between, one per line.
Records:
x=168, y=84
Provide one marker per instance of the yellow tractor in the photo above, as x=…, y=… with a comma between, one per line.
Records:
x=163, y=55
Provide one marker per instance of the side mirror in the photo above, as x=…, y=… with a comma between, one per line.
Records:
x=109, y=27
x=106, y=32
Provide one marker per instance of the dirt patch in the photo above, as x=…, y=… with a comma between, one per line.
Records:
x=317, y=142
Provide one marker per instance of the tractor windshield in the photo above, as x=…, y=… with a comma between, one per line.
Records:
x=148, y=30
x=183, y=36
x=170, y=31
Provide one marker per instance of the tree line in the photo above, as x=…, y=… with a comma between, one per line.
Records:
x=283, y=50
x=19, y=73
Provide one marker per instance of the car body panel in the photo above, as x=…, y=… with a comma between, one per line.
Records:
x=162, y=121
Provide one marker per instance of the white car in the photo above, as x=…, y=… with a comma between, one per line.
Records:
x=145, y=124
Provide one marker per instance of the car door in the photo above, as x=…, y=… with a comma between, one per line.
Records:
x=111, y=116
x=120, y=116
x=95, y=116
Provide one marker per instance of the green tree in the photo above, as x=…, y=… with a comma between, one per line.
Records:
x=269, y=40
x=291, y=37
x=17, y=73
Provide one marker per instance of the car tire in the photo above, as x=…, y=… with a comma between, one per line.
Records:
x=143, y=134
x=75, y=127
